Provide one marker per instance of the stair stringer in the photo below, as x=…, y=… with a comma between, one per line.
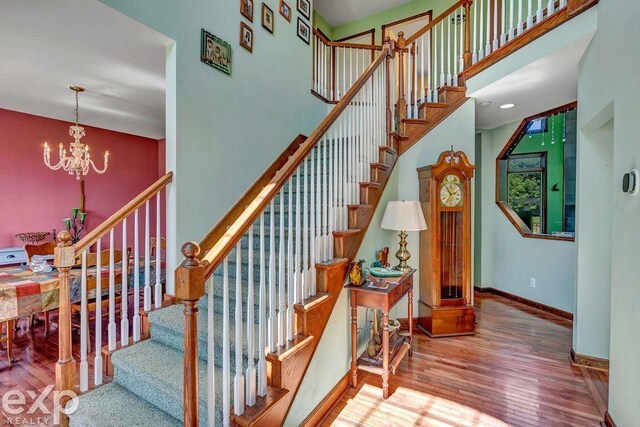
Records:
x=330, y=278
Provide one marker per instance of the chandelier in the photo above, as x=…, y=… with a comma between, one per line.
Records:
x=79, y=160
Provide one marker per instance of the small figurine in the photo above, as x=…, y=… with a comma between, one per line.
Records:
x=383, y=257
x=356, y=278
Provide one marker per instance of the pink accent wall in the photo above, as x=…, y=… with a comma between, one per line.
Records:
x=35, y=198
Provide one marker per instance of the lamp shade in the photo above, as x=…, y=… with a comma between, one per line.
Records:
x=404, y=216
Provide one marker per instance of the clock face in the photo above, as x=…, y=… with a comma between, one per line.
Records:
x=451, y=191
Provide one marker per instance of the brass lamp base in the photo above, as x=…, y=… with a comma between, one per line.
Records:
x=403, y=254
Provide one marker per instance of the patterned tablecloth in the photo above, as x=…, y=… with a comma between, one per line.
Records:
x=24, y=292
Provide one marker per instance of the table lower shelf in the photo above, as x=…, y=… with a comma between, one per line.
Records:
x=398, y=345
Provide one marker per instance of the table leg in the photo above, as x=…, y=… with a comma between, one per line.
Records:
x=410, y=322
x=385, y=355
x=10, y=332
x=354, y=346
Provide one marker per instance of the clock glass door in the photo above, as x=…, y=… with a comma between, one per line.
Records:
x=451, y=260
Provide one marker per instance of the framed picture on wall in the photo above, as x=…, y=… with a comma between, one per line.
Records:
x=285, y=10
x=304, y=7
x=215, y=52
x=267, y=18
x=304, y=32
x=246, y=37
x=246, y=9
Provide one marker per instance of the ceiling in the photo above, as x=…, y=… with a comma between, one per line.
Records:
x=338, y=12
x=120, y=62
x=544, y=84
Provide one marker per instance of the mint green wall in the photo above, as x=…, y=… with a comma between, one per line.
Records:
x=393, y=14
x=555, y=167
x=509, y=260
x=216, y=122
x=607, y=88
x=320, y=23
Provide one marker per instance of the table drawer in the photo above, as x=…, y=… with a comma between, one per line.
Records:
x=12, y=257
x=396, y=294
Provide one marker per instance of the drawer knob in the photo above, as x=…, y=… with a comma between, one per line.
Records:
x=11, y=256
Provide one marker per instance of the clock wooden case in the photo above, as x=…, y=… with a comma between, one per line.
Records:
x=446, y=295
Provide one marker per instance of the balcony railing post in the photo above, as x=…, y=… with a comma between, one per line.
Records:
x=190, y=285
x=467, y=57
x=64, y=259
x=401, y=106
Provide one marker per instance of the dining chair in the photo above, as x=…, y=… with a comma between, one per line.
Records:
x=152, y=244
x=92, y=261
x=30, y=250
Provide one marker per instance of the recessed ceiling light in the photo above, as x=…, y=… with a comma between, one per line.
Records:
x=507, y=106
x=485, y=104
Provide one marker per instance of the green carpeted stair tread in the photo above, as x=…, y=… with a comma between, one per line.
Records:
x=154, y=372
x=167, y=328
x=111, y=405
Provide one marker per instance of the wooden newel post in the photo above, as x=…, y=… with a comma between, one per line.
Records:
x=389, y=119
x=190, y=288
x=64, y=259
x=467, y=56
x=401, y=106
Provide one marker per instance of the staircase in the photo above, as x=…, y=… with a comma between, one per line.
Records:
x=258, y=291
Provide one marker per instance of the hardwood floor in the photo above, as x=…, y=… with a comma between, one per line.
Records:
x=514, y=371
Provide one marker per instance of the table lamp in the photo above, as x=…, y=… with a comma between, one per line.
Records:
x=403, y=216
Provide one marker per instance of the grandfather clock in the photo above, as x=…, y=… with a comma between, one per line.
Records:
x=446, y=294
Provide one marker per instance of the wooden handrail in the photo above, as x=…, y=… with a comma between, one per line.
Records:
x=122, y=213
x=343, y=44
x=252, y=211
x=218, y=231
x=437, y=20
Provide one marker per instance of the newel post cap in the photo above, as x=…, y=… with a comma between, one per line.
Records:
x=64, y=253
x=190, y=274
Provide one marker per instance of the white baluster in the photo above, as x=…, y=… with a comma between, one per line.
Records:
x=291, y=269
x=424, y=88
x=449, y=52
x=282, y=303
x=306, y=278
x=226, y=351
x=97, y=360
x=312, y=226
x=415, y=79
x=136, y=279
x=330, y=219
x=550, y=7
x=539, y=12
x=496, y=36
x=429, y=74
x=407, y=83
x=455, y=49
x=503, y=22
x=211, y=355
x=147, y=260
x=562, y=4
x=442, y=70
x=158, y=286
x=297, y=272
x=325, y=212
x=530, y=14
x=480, y=33
x=84, y=326
x=344, y=72
x=262, y=362
x=520, y=20
x=318, y=204
x=124, y=289
x=474, y=10
x=238, y=380
x=512, y=12
x=251, y=369
x=272, y=327
x=111, y=329
x=487, y=48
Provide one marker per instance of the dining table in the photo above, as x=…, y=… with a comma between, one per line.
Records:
x=24, y=292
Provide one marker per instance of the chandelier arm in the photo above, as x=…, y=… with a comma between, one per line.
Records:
x=99, y=171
